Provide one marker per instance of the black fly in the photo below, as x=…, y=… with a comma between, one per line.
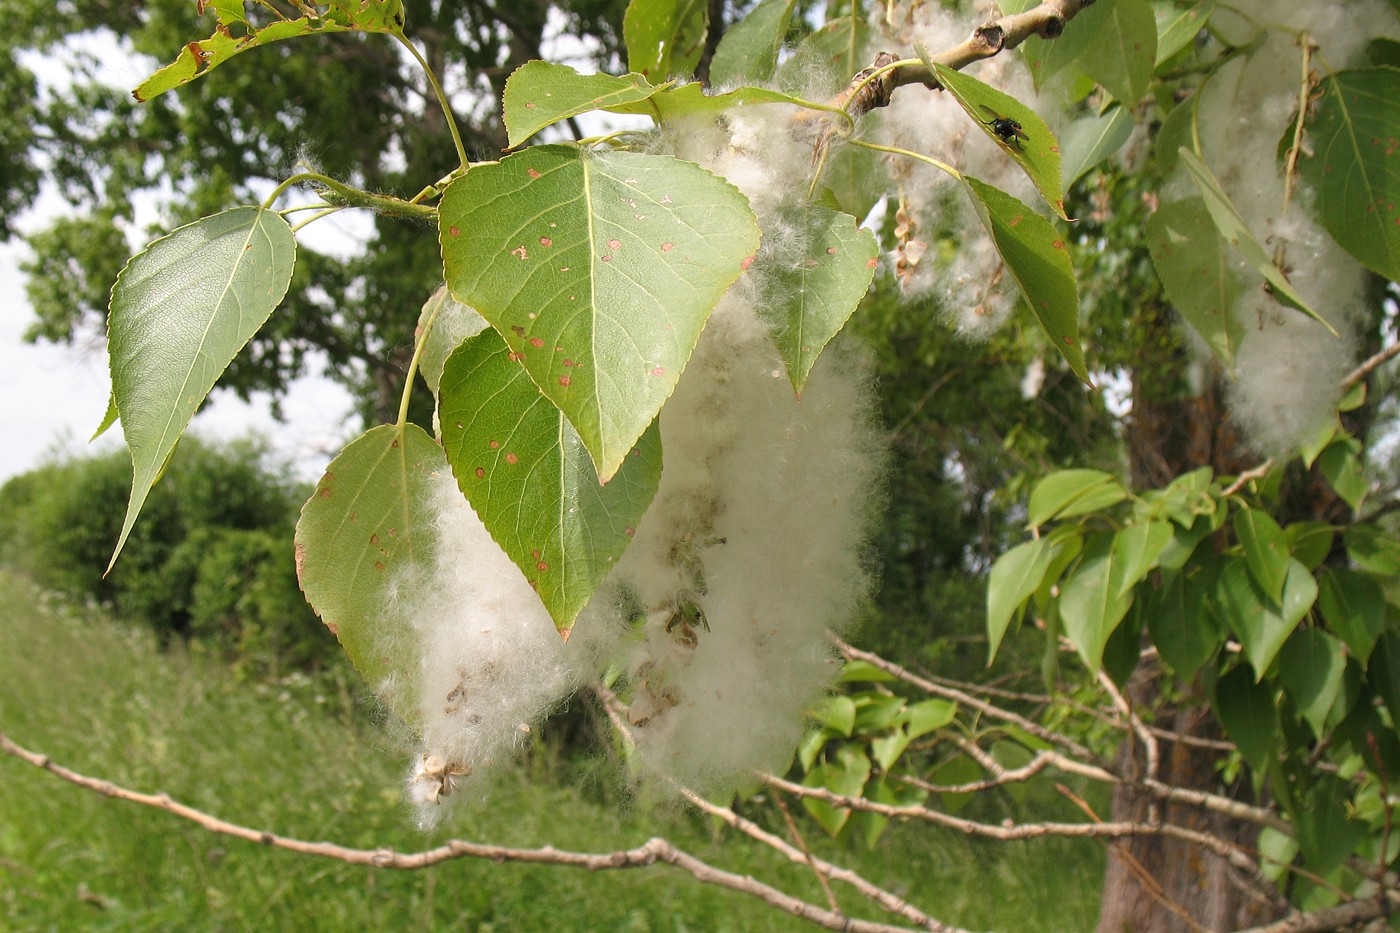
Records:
x=1007, y=129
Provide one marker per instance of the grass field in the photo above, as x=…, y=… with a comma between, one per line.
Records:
x=303, y=759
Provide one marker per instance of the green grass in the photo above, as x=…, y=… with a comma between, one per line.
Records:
x=302, y=759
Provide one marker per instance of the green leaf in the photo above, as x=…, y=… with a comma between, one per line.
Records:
x=443, y=323
x=1047, y=58
x=811, y=295
x=876, y=712
x=1136, y=548
x=1265, y=550
x=664, y=37
x=1123, y=650
x=181, y=311
x=1092, y=604
x=1126, y=53
x=1036, y=255
x=524, y=470
x=1340, y=462
x=1177, y=27
x=1038, y=153
x=1309, y=542
x=1261, y=624
x=929, y=715
x=1353, y=606
x=845, y=776
x=1014, y=578
x=593, y=268
x=1374, y=550
x=236, y=34
x=109, y=418
x=540, y=94
x=1233, y=228
x=1246, y=710
x=955, y=772
x=1198, y=272
x=1319, y=805
x=1089, y=140
x=1182, y=625
x=365, y=524
x=670, y=102
x=1066, y=493
x=749, y=50
x=836, y=48
x=1310, y=667
x=887, y=748
x=855, y=671
x=837, y=715
x=1354, y=171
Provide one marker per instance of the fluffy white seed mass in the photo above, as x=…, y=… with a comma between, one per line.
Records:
x=750, y=552
x=491, y=663
x=1288, y=372
x=718, y=611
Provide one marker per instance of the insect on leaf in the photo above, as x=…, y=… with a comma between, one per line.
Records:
x=1018, y=129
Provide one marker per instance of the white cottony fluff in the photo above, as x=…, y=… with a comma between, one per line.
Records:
x=491, y=662
x=1289, y=369
x=763, y=506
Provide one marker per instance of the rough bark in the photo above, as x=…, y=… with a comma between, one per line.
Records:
x=1157, y=884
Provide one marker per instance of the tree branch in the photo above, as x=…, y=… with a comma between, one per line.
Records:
x=1011, y=831
x=652, y=851
x=1074, y=748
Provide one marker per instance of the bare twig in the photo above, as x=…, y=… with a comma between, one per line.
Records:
x=1342, y=917
x=987, y=709
x=1149, y=741
x=617, y=713
x=807, y=853
x=649, y=853
x=1248, y=476
x=1370, y=366
x=1009, y=831
x=1145, y=878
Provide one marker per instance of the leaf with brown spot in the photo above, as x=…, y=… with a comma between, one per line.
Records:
x=619, y=320
x=351, y=546
x=526, y=473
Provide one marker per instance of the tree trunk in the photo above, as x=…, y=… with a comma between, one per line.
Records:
x=1156, y=884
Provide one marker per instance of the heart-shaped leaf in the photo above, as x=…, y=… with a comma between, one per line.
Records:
x=1246, y=710
x=599, y=269
x=181, y=310
x=364, y=524
x=1261, y=624
x=1123, y=59
x=1265, y=550
x=1093, y=601
x=524, y=470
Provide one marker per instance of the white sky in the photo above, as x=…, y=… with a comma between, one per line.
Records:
x=52, y=397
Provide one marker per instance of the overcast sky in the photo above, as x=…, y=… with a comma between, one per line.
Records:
x=53, y=397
